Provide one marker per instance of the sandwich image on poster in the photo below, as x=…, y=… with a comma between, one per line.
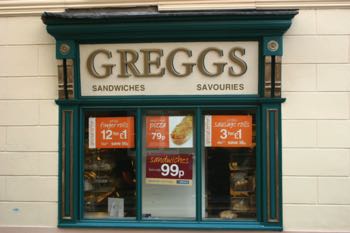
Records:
x=169, y=131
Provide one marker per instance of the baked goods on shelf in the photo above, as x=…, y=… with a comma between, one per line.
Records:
x=233, y=166
x=227, y=214
x=239, y=181
x=240, y=204
x=238, y=193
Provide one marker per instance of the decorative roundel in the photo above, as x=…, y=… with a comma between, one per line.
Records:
x=272, y=46
x=64, y=49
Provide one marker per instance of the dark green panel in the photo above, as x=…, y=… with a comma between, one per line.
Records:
x=66, y=164
x=272, y=164
x=68, y=161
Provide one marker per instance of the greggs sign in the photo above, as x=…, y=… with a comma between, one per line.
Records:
x=193, y=68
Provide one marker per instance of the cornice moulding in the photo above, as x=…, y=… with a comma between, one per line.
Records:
x=37, y=7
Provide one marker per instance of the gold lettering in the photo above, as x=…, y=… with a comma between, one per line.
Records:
x=201, y=62
x=170, y=63
x=125, y=64
x=91, y=64
x=238, y=61
x=148, y=62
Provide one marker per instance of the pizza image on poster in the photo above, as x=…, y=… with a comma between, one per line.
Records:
x=169, y=169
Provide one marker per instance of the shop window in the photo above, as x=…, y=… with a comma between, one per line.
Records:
x=168, y=165
x=109, y=165
x=230, y=164
x=169, y=156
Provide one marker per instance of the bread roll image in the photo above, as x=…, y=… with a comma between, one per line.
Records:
x=183, y=131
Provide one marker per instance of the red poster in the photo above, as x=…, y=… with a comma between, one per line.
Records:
x=169, y=169
x=228, y=131
x=157, y=132
x=111, y=132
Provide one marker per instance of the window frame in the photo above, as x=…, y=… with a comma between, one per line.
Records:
x=199, y=222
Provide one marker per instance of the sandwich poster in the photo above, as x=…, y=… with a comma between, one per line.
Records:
x=228, y=130
x=169, y=169
x=111, y=132
x=169, y=131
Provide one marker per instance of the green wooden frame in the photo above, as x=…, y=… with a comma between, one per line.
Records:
x=75, y=27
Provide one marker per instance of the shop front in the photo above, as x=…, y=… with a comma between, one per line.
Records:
x=170, y=119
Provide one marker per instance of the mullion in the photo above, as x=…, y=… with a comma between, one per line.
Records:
x=139, y=164
x=198, y=128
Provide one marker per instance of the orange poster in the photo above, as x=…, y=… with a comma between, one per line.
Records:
x=169, y=131
x=228, y=131
x=157, y=131
x=111, y=132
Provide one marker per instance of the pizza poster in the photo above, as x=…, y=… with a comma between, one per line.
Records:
x=111, y=132
x=169, y=169
x=228, y=130
x=169, y=131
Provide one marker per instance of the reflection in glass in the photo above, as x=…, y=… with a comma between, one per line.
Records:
x=109, y=165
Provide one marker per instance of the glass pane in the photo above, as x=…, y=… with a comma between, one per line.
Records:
x=168, y=190
x=229, y=165
x=109, y=165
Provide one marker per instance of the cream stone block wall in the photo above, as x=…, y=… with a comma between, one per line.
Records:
x=28, y=124
x=334, y=133
x=316, y=105
x=2, y=138
x=299, y=77
x=16, y=88
x=13, y=112
x=20, y=188
x=316, y=218
x=334, y=190
x=336, y=22
x=32, y=138
x=316, y=122
x=299, y=133
x=292, y=194
x=28, y=214
x=48, y=112
x=28, y=164
x=325, y=162
x=333, y=77
x=316, y=49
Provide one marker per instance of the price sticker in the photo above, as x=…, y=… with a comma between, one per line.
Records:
x=157, y=131
x=111, y=132
x=228, y=131
x=169, y=169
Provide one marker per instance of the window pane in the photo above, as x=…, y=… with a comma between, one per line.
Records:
x=168, y=190
x=230, y=165
x=109, y=165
